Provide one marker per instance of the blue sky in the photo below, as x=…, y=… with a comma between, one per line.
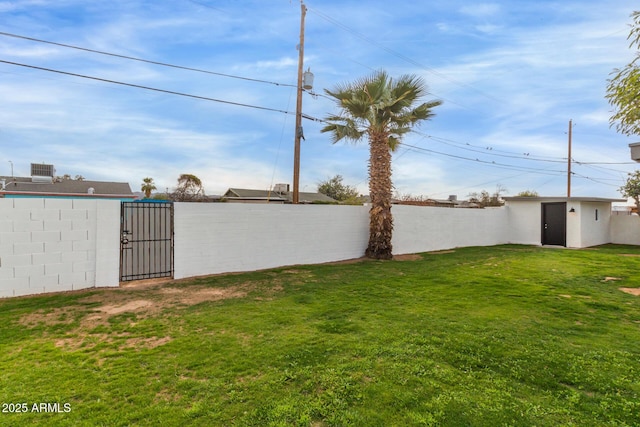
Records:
x=511, y=74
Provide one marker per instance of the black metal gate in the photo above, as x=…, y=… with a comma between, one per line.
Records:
x=146, y=240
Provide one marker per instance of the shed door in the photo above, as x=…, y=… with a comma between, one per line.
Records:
x=554, y=224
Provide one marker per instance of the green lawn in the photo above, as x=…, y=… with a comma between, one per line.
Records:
x=500, y=336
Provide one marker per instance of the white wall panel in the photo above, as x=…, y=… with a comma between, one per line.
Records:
x=227, y=237
x=625, y=229
x=51, y=245
x=423, y=228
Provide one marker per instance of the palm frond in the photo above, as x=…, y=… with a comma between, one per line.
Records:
x=343, y=129
x=380, y=104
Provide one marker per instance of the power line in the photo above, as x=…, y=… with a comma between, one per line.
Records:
x=490, y=151
x=608, y=171
x=490, y=163
x=604, y=163
x=496, y=181
x=306, y=116
x=598, y=181
x=164, y=64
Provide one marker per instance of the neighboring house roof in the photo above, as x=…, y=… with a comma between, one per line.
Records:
x=20, y=186
x=314, y=197
x=562, y=199
x=245, y=194
x=440, y=203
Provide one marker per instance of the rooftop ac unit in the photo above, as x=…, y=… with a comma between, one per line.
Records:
x=42, y=170
x=42, y=179
x=281, y=188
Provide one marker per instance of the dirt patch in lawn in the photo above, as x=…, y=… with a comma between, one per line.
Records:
x=450, y=251
x=58, y=316
x=632, y=291
x=124, y=308
x=191, y=296
x=123, y=341
x=145, y=283
x=407, y=257
x=141, y=300
x=348, y=261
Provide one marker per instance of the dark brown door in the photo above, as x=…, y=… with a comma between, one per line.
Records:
x=554, y=224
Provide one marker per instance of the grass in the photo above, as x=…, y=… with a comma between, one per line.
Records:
x=500, y=336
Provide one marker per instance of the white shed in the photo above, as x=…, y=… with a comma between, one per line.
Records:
x=573, y=222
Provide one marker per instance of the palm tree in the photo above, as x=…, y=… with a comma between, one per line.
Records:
x=383, y=110
x=147, y=186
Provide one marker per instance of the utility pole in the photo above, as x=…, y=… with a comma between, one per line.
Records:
x=298, y=131
x=569, y=162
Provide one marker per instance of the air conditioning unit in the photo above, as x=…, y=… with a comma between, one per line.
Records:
x=42, y=173
x=281, y=188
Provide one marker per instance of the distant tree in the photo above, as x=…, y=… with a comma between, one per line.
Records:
x=189, y=189
x=410, y=199
x=623, y=89
x=527, y=193
x=67, y=177
x=382, y=110
x=147, y=186
x=632, y=187
x=334, y=188
x=485, y=199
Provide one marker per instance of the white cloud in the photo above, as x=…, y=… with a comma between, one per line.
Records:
x=481, y=10
x=278, y=64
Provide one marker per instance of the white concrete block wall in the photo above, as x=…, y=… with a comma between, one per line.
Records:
x=221, y=238
x=107, y=240
x=524, y=222
x=625, y=229
x=422, y=228
x=228, y=237
x=50, y=245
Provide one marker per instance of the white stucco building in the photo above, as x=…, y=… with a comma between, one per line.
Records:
x=574, y=222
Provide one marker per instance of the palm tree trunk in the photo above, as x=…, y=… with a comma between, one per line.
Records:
x=380, y=219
